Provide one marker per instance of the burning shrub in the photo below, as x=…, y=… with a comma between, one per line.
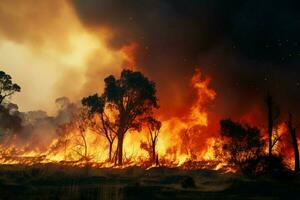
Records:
x=243, y=144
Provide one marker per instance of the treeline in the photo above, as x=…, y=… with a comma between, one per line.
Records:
x=127, y=104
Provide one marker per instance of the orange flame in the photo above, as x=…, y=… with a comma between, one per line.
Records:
x=178, y=140
x=188, y=141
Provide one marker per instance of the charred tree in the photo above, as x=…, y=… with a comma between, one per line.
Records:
x=292, y=131
x=96, y=107
x=153, y=128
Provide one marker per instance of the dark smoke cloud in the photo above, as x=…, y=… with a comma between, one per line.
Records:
x=247, y=47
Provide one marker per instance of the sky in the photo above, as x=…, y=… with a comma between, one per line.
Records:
x=47, y=51
x=56, y=48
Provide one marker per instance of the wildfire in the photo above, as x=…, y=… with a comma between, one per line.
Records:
x=188, y=141
x=198, y=115
x=179, y=140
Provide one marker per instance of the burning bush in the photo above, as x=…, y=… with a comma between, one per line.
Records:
x=243, y=143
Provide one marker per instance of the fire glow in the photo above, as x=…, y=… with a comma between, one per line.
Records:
x=175, y=140
x=187, y=141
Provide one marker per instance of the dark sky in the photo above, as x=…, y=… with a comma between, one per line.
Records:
x=247, y=47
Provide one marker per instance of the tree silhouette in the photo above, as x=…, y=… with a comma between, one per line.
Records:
x=7, y=87
x=9, y=120
x=131, y=97
x=96, y=107
x=153, y=126
x=273, y=114
x=292, y=131
x=243, y=142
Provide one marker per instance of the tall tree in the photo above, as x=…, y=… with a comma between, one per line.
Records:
x=7, y=87
x=131, y=97
x=153, y=127
x=96, y=105
x=293, y=134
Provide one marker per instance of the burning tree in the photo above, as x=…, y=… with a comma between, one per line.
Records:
x=153, y=126
x=130, y=98
x=73, y=138
x=243, y=142
x=80, y=123
x=187, y=138
x=96, y=107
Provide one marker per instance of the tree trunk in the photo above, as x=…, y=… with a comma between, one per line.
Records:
x=110, y=150
x=292, y=131
x=120, y=149
x=156, y=160
x=296, y=152
x=116, y=155
x=153, y=153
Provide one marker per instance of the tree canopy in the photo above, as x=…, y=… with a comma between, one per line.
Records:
x=130, y=98
x=7, y=87
x=95, y=103
x=133, y=95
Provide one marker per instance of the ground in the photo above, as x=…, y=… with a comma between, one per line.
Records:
x=57, y=182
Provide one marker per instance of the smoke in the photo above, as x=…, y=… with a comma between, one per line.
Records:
x=36, y=23
x=33, y=129
x=66, y=48
x=58, y=48
x=247, y=47
x=48, y=52
x=9, y=118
